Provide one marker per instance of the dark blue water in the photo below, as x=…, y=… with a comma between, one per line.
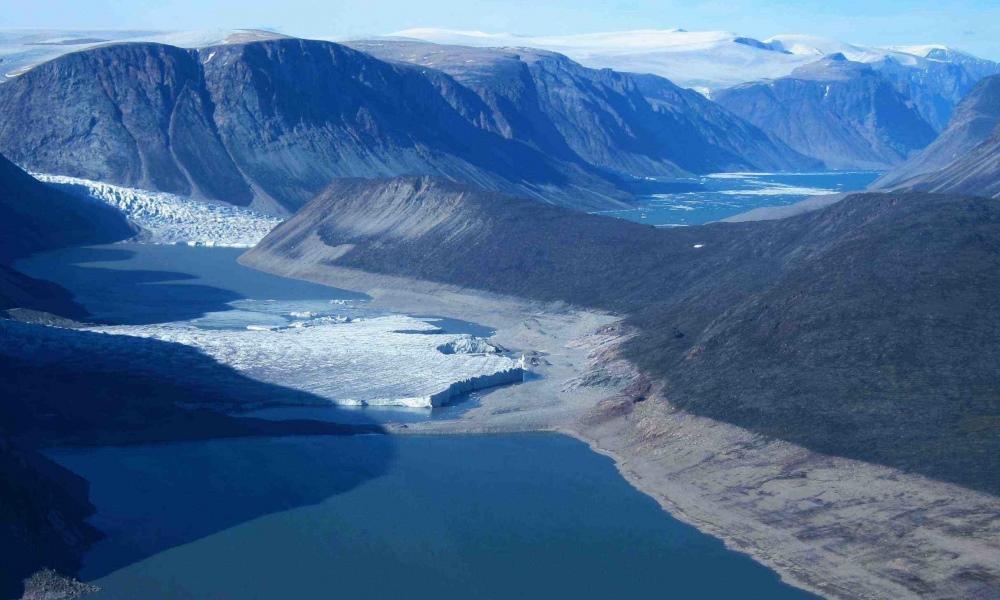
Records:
x=529, y=516
x=514, y=516
x=716, y=197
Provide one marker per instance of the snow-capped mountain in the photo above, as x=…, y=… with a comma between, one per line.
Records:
x=706, y=59
x=703, y=60
x=22, y=49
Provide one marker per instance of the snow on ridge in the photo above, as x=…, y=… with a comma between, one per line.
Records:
x=171, y=219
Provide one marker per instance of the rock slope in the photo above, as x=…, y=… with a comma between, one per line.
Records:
x=839, y=111
x=863, y=329
x=974, y=121
x=271, y=122
x=626, y=123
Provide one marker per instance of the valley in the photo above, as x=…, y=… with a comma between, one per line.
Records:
x=453, y=313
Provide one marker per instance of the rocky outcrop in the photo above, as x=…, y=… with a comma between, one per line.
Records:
x=43, y=508
x=841, y=112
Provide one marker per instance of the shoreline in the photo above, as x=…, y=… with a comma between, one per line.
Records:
x=836, y=527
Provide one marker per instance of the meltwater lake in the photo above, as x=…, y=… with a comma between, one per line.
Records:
x=374, y=516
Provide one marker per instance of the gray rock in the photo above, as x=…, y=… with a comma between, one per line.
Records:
x=841, y=112
x=974, y=121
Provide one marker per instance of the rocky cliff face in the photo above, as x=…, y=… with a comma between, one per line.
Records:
x=974, y=121
x=626, y=123
x=271, y=122
x=863, y=329
x=836, y=110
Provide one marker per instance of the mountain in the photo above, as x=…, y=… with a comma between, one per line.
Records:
x=976, y=172
x=705, y=60
x=864, y=329
x=270, y=123
x=934, y=77
x=837, y=110
x=975, y=119
x=22, y=49
x=628, y=124
x=264, y=123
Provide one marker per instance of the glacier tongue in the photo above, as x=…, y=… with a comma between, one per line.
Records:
x=170, y=219
x=386, y=360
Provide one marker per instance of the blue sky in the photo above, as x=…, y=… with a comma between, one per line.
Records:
x=971, y=25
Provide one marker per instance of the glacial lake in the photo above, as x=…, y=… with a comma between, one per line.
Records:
x=512, y=516
x=509, y=516
x=700, y=200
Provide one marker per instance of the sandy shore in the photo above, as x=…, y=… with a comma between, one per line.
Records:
x=838, y=527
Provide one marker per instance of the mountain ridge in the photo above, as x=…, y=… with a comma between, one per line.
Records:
x=736, y=319
x=270, y=123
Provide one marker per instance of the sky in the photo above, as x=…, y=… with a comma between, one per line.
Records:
x=971, y=25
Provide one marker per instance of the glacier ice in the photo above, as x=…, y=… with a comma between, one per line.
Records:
x=357, y=361
x=171, y=219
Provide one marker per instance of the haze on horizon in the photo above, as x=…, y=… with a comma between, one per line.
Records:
x=962, y=25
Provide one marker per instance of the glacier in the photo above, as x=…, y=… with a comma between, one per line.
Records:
x=390, y=360
x=171, y=219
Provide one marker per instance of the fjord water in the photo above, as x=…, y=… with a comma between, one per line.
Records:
x=513, y=516
x=715, y=197
x=359, y=517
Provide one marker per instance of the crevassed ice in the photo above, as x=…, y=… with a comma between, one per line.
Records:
x=360, y=362
x=170, y=219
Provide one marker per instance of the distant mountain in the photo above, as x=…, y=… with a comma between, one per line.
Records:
x=705, y=60
x=628, y=124
x=974, y=121
x=865, y=329
x=840, y=111
x=708, y=60
x=270, y=123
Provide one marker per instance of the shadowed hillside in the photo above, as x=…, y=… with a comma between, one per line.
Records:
x=865, y=329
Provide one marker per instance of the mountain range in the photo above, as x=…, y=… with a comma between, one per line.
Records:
x=933, y=76
x=840, y=111
x=964, y=157
x=270, y=123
